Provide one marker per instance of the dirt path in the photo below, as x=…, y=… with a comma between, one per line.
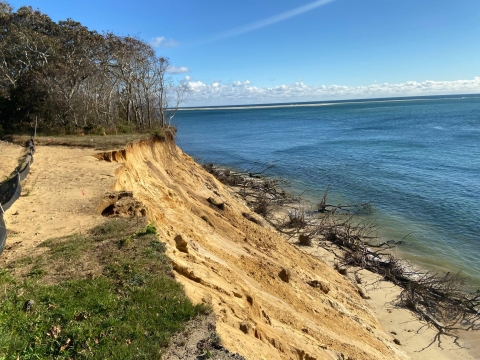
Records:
x=59, y=196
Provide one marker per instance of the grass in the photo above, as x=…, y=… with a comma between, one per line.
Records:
x=93, y=298
x=97, y=142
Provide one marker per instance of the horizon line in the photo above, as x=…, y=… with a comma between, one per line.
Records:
x=322, y=102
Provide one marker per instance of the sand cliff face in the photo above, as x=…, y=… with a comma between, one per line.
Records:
x=233, y=263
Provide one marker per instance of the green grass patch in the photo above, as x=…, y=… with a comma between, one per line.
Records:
x=94, y=299
x=23, y=261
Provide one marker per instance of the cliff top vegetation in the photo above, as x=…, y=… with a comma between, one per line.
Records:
x=70, y=79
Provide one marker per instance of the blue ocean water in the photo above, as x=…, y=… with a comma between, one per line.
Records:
x=416, y=160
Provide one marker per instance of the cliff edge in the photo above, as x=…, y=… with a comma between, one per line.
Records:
x=271, y=300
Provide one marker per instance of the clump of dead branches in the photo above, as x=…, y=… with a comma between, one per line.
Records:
x=261, y=193
x=440, y=300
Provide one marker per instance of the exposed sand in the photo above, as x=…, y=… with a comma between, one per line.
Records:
x=9, y=156
x=233, y=264
x=52, y=202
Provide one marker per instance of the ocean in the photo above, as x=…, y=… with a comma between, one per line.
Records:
x=416, y=160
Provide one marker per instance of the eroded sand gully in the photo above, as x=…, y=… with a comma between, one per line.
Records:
x=229, y=262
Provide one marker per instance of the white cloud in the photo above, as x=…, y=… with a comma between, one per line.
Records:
x=218, y=93
x=162, y=42
x=196, y=86
x=188, y=78
x=239, y=83
x=177, y=70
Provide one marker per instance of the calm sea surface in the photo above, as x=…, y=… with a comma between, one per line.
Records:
x=416, y=160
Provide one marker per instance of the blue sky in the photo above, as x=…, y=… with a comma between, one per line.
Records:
x=262, y=51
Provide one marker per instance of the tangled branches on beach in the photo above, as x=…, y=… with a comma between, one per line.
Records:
x=439, y=300
x=261, y=193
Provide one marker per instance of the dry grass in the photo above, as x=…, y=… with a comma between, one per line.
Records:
x=97, y=142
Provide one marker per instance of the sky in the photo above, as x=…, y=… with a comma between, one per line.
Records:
x=271, y=51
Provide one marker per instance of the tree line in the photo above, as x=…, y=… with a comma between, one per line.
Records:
x=70, y=79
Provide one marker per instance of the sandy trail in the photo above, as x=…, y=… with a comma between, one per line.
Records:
x=59, y=197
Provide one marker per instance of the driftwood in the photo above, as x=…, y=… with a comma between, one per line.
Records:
x=323, y=207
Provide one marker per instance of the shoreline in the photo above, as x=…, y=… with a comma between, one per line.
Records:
x=419, y=184
x=407, y=250
x=417, y=337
